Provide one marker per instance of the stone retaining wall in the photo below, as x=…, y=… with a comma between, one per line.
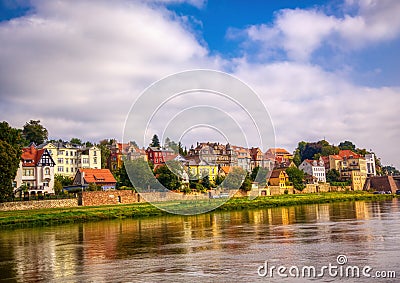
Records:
x=38, y=204
x=108, y=197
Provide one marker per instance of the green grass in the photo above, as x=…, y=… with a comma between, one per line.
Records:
x=44, y=217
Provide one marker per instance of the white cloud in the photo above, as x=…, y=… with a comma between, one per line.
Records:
x=301, y=32
x=308, y=103
x=79, y=65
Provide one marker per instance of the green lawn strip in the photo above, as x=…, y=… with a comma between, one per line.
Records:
x=43, y=217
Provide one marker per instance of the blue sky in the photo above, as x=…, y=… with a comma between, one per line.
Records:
x=322, y=68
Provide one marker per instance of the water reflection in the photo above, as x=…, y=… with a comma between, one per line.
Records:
x=208, y=247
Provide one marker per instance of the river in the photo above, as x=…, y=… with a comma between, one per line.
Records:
x=215, y=247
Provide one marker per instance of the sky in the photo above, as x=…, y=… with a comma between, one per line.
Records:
x=323, y=69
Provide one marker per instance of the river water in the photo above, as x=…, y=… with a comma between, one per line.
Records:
x=214, y=247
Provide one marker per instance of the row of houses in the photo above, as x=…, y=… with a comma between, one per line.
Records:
x=40, y=163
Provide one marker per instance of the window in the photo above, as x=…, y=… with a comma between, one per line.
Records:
x=66, y=161
x=45, y=184
x=66, y=169
x=47, y=171
x=72, y=153
x=60, y=152
x=66, y=153
x=95, y=153
x=60, y=169
x=95, y=160
x=28, y=172
x=60, y=160
x=85, y=160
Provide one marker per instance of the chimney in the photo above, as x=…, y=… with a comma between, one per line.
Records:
x=82, y=177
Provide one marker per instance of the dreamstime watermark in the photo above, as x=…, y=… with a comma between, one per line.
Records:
x=195, y=105
x=338, y=270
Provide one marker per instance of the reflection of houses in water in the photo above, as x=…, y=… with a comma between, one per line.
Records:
x=362, y=211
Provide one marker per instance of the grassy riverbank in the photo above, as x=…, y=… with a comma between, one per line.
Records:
x=43, y=217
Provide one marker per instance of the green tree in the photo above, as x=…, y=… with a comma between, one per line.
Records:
x=64, y=180
x=105, y=152
x=141, y=174
x=259, y=175
x=296, y=176
x=155, y=142
x=11, y=135
x=246, y=185
x=347, y=145
x=9, y=162
x=297, y=158
x=123, y=178
x=58, y=187
x=94, y=187
x=234, y=179
x=33, y=131
x=76, y=141
x=168, y=178
x=333, y=176
x=205, y=182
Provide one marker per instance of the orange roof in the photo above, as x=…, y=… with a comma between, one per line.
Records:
x=348, y=154
x=337, y=157
x=31, y=155
x=226, y=169
x=278, y=150
x=97, y=175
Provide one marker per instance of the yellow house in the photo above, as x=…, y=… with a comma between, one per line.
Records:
x=69, y=158
x=358, y=180
x=202, y=168
x=279, y=178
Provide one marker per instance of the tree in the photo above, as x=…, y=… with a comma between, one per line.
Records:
x=104, y=152
x=76, y=141
x=11, y=135
x=64, y=180
x=58, y=187
x=9, y=162
x=296, y=176
x=123, y=178
x=254, y=173
x=332, y=176
x=11, y=142
x=234, y=179
x=390, y=170
x=141, y=174
x=246, y=185
x=168, y=178
x=205, y=182
x=155, y=142
x=347, y=145
x=310, y=150
x=33, y=131
x=219, y=179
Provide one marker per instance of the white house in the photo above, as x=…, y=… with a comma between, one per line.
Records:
x=315, y=168
x=36, y=171
x=370, y=160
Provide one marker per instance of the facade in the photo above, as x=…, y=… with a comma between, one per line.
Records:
x=258, y=158
x=357, y=180
x=279, y=178
x=370, y=163
x=159, y=156
x=315, y=168
x=100, y=177
x=217, y=153
x=69, y=158
x=243, y=157
x=35, y=171
x=201, y=168
x=120, y=150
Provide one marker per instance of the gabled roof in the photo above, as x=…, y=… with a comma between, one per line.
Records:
x=276, y=172
x=225, y=169
x=278, y=151
x=97, y=175
x=31, y=156
x=348, y=154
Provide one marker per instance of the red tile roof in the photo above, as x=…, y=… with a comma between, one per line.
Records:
x=97, y=176
x=348, y=154
x=31, y=155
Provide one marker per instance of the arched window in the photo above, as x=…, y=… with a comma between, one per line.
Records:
x=47, y=171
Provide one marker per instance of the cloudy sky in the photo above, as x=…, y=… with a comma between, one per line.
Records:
x=323, y=69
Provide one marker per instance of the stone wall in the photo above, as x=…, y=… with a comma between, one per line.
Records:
x=38, y=204
x=108, y=197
